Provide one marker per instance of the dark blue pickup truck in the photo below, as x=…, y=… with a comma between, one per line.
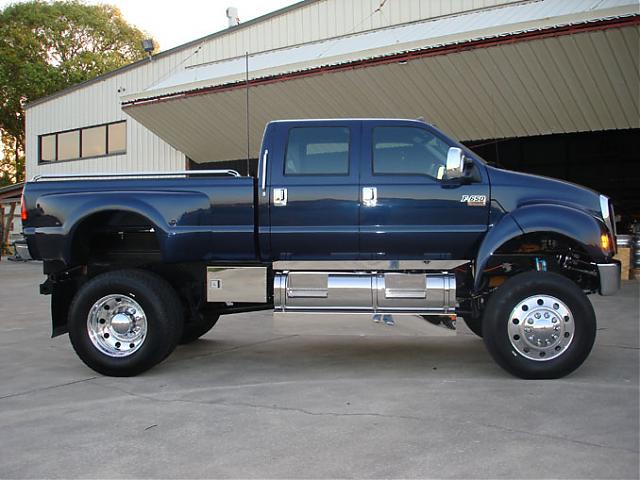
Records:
x=384, y=217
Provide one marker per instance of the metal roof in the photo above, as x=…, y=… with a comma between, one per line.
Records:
x=570, y=82
x=9, y=192
x=170, y=51
x=460, y=28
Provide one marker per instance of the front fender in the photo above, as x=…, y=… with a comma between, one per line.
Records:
x=559, y=219
x=506, y=229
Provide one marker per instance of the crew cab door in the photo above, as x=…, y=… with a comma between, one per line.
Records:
x=314, y=191
x=409, y=210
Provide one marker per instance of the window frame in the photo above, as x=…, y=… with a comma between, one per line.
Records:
x=79, y=130
x=312, y=175
x=415, y=174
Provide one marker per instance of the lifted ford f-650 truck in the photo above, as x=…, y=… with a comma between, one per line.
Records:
x=346, y=216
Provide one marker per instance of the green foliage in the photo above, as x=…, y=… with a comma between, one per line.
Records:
x=48, y=46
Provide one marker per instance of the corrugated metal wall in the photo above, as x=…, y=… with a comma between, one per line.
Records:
x=99, y=102
x=327, y=19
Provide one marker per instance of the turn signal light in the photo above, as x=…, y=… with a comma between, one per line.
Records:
x=605, y=242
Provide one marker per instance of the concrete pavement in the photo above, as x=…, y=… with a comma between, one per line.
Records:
x=252, y=401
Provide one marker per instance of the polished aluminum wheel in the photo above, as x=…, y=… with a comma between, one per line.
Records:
x=541, y=327
x=117, y=325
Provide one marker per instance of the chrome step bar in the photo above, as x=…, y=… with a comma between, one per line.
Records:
x=109, y=176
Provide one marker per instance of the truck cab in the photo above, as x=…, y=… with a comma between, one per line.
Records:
x=367, y=216
x=368, y=189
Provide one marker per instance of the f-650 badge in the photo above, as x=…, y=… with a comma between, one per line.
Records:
x=474, y=200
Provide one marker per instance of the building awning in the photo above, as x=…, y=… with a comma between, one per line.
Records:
x=532, y=68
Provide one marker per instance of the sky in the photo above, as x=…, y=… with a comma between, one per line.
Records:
x=174, y=22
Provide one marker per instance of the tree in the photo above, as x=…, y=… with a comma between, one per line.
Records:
x=48, y=46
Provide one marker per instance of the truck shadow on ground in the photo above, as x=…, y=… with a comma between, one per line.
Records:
x=339, y=355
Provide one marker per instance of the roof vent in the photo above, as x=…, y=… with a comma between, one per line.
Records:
x=232, y=15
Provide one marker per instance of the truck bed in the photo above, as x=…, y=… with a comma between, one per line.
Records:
x=192, y=218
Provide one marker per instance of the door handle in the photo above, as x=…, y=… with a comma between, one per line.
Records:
x=369, y=196
x=280, y=197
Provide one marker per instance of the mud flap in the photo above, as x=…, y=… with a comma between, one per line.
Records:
x=62, y=293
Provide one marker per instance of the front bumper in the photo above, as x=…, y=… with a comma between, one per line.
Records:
x=609, y=274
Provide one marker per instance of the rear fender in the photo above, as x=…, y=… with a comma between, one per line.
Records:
x=89, y=204
x=131, y=205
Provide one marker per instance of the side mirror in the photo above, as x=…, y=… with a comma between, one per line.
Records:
x=455, y=163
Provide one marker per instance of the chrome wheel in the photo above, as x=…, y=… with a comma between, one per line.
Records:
x=541, y=327
x=117, y=325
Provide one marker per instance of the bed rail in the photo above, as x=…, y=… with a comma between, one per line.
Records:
x=108, y=176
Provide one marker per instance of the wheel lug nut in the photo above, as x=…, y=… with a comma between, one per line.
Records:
x=530, y=321
x=554, y=320
x=537, y=315
x=546, y=315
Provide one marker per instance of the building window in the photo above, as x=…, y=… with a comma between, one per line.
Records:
x=47, y=148
x=81, y=143
x=69, y=145
x=317, y=151
x=93, y=141
x=117, y=138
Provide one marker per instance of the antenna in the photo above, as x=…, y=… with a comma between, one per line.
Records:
x=246, y=63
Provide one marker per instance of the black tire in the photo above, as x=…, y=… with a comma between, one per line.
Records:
x=198, y=326
x=474, y=323
x=162, y=309
x=498, y=315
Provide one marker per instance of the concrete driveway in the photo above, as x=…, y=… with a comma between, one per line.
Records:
x=250, y=401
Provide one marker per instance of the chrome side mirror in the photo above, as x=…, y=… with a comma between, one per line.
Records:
x=455, y=163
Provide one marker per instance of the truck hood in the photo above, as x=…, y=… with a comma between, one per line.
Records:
x=512, y=190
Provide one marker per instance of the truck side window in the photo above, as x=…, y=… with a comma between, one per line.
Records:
x=408, y=151
x=317, y=151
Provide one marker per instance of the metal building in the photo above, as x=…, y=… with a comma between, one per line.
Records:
x=531, y=84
